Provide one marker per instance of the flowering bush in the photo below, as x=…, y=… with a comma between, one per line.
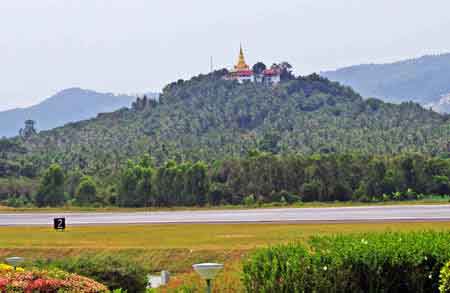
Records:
x=444, y=285
x=52, y=281
x=115, y=271
x=5, y=268
x=8, y=268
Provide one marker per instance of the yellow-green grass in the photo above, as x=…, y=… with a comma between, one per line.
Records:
x=186, y=236
x=73, y=209
x=180, y=237
x=176, y=247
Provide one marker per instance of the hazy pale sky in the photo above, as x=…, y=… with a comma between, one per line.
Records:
x=132, y=46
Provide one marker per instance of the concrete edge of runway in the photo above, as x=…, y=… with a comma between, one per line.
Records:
x=320, y=215
x=284, y=222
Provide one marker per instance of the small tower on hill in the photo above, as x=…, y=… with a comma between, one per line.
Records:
x=29, y=129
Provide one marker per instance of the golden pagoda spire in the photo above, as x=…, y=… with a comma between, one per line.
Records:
x=241, y=65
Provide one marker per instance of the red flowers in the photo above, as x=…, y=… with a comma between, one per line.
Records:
x=52, y=281
x=42, y=285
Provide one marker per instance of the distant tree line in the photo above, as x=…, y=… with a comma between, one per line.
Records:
x=260, y=177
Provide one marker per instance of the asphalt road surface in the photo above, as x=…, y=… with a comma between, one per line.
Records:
x=282, y=215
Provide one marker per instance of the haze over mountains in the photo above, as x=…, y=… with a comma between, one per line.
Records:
x=424, y=80
x=66, y=106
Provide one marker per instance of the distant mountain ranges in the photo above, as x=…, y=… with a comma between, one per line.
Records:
x=424, y=80
x=70, y=105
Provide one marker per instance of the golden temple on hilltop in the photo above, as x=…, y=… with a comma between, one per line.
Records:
x=243, y=73
x=241, y=65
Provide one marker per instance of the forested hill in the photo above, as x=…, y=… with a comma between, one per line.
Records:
x=424, y=80
x=210, y=118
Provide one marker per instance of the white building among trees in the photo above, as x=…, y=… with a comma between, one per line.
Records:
x=259, y=73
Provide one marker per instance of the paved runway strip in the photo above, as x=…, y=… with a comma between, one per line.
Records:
x=284, y=215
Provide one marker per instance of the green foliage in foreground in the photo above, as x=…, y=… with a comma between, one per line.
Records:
x=444, y=286
x=114, y=271
x=389, y=262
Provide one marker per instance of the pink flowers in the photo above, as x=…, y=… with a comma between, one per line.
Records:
x=52, y=281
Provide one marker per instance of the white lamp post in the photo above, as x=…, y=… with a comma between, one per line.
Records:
x=208, y=271
x=15, y=261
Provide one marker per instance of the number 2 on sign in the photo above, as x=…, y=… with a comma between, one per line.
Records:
x=59, y=224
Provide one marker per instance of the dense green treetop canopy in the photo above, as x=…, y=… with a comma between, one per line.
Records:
x=209, y=118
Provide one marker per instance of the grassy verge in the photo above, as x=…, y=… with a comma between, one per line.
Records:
x=185, y=236
x=435, y=200
x=177, y=247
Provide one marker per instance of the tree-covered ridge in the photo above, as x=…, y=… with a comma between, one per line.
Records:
x=209, y=118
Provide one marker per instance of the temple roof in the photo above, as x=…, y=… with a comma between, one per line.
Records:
x=246, y=72
x=271, y=72
x=241, y=65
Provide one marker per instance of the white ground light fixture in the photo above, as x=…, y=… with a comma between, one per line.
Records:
x=208, y=271
x=15, y=261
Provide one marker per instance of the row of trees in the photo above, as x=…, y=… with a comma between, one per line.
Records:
x=261, y=177
x=334, y=177
x=184, y=184
x=52, y=189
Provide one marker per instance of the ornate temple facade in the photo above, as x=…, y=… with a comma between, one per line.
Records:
x=243, y=73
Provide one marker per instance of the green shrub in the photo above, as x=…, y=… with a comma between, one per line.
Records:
x=86, y=192
x=444, y=283
x=51, y=187
x=113, y=271
x=280, y=269
x=17, y=202
x=249, y=200
x=389, y=262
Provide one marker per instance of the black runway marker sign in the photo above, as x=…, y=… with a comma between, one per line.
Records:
x=59, y=224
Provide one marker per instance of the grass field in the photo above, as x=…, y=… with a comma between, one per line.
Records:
x=177, y=247
x=186, y=236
